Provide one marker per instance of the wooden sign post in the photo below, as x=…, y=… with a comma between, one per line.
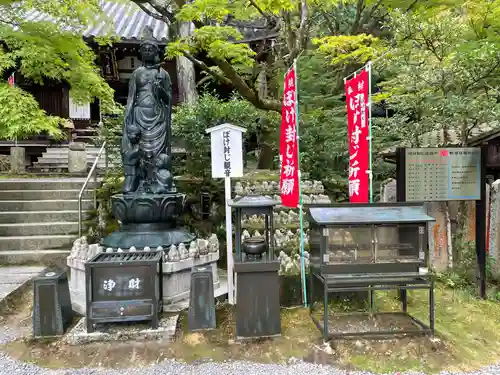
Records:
x=226, y=146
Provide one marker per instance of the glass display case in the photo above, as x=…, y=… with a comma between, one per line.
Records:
x=368, y=238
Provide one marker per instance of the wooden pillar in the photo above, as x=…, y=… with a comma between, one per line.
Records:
x=186, y=77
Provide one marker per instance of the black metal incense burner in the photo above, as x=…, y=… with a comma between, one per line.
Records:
x=254, y=247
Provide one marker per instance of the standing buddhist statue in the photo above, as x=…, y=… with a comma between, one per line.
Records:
x=150, y=206
x=147, y=132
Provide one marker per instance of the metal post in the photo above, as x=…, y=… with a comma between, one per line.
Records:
x=481, y=225
x=79, y=218
x=301, y=214
x=431, y=307
x=82, y=190
x=325, y=311
x=229, y=242
x=370, y=172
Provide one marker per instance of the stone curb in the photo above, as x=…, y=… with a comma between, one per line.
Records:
x=19, y=291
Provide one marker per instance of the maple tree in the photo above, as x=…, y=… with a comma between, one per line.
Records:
x=46, y=50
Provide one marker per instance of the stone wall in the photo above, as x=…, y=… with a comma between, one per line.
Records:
x=494, y=221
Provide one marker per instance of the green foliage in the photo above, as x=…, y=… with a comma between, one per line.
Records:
x=441, y=71
x=21, y=116
x=348, y=49
x=323, y=127
x=192, y=119
x=463, y=275
x=42, y=50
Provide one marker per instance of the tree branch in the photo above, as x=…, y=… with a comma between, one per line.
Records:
x=369, y=15
x=162, y=9
x=304, y=26
x=231, y=76
x=332, y=25
x=160, y=16
x=239, y=83
x=200, y=64
x=359, y=10
x=412, y=5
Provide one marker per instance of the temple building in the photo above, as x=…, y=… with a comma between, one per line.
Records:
x=116, y=64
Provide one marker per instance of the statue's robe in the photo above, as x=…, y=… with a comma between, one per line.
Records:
x=149, y=108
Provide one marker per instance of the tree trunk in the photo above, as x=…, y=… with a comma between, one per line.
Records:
x=186, y=76
x=449, y=245
x=266, y=156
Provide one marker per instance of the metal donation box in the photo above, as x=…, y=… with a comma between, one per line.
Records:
x=124, y=287
x=256, y=268
x=366, y=248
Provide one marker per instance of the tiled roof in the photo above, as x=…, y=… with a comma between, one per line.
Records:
x=435, y=138
x=128, y=20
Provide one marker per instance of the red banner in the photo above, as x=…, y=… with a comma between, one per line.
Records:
x=11, y=81
x=357, y=96
x=289, y=153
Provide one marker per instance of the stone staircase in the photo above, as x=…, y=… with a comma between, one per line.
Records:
x=55, y=159
x=39, y=217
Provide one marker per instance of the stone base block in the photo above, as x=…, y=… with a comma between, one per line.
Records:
x=177, y=277
x=123, y=332
x=77, y=284
x=176, y=280
x=77, y=161
x=17, y=160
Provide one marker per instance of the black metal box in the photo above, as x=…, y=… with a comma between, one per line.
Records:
x=364, y=239
x=124, y=287
x=201, y=313
x=52, y=312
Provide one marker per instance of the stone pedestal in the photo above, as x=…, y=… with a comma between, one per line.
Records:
x=176, y=279
x=17, y=160
x=177, y=276
x=77, y=284
x=257, y=299
x=77, y=158
x=147, y=220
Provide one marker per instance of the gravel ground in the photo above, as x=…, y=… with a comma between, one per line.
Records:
x=8, y=366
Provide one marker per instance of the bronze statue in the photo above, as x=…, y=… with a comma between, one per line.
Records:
x=146, y=140
x=150, y=207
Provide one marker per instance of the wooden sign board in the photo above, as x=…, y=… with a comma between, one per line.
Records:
x=226, y=146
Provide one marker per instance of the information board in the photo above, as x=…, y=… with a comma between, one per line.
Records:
x=442, y=174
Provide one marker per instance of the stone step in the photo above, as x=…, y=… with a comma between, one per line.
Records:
x=39, y=229
x=20, y=257
x=62, y=158
x=37, y=242
x=65, y=165
x=46, y=184
x=44, y=194
x=41, y=216
x=55, y=150
x=45, y=205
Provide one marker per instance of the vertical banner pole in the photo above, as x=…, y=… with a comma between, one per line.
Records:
x=229, y=242
x=370, y=173
x=301, y=214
